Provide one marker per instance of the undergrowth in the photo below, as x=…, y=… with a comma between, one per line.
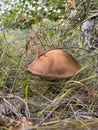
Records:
x=44, y=102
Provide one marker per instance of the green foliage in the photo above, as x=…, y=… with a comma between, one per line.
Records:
x=22, y=14
x=25, y=13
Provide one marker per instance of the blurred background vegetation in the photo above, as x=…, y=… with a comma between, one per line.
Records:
x=51, y=24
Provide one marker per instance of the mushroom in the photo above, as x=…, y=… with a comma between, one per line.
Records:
x=54, y=64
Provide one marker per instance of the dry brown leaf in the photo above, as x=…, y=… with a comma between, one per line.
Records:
x=21, y=124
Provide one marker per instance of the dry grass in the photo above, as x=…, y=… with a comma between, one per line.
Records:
x=48, y=103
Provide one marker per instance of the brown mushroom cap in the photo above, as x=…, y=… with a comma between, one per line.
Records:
x=54, y=64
